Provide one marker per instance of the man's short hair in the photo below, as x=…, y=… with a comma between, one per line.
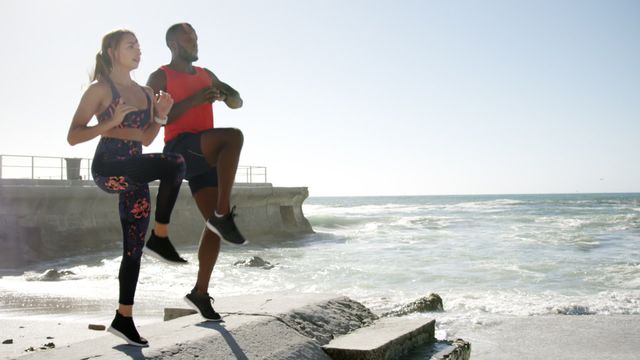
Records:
x=175, y=29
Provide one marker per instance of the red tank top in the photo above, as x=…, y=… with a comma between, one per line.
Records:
x=182, y=85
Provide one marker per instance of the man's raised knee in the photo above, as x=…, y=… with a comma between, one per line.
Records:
x=237, y=136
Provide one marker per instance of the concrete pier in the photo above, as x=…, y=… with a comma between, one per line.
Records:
x=43, y=220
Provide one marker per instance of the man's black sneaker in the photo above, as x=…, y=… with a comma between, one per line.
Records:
x=226, y=228
x=202, y=303
x=162, y=249
x=124, y=328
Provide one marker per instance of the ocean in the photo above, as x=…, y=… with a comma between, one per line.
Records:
x=487, y=256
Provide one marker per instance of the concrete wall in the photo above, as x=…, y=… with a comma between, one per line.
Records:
x=50, y=219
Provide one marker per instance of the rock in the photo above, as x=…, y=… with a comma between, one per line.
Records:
x=174, y=313
x=433, y=302
x=8, y=341
x=327, y=320
x=53, y=275
x=49, y=337
x=255, y=261
x=457, y=349
x=574, y=310
x=96, y=327
x=45, y=346
x=29, y=349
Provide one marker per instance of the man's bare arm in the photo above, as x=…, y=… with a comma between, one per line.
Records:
x=231, y=96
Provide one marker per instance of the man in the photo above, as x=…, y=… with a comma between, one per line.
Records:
x=211, y=155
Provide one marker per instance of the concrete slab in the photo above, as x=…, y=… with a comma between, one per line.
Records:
x=387, y=338
x=275, y=303
x=255, y=327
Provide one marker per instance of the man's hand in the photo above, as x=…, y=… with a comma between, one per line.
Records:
x=206, y=95
x=209, y=95
x=219, y=95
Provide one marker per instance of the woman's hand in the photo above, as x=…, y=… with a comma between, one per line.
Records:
x=162, y=104
x=121, y=112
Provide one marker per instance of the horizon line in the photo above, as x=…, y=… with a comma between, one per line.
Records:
x=481, y=194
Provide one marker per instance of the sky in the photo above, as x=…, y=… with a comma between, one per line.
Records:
x=371, y=97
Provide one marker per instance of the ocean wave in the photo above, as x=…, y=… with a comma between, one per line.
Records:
x=624, y=275
x=362, y=210
x=573, y=221
x=485, y=307
x=51, y=275
x=488, y=206
x=333, y=222
x=500, y=202
x=424, y=222
x=526, y=303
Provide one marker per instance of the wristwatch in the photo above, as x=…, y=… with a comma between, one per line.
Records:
x=161, y=121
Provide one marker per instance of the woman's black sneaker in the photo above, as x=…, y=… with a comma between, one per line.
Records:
x=202, y=303
x=162, y=249
x=226, y=228
x=124, y=328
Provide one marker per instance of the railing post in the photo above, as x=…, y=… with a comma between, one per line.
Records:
x=61, y=166
x=73, y=168
x=32, y=167
x=0, y=166
x=265, y=175
x=250, y=174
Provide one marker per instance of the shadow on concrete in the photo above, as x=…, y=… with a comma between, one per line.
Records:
x=226, y=335
x=134, y=352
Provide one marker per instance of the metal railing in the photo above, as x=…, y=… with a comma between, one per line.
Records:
x=59, y=168
x=250, y=174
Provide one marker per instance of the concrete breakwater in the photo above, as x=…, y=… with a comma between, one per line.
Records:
x=277, y=326
x=44, y=220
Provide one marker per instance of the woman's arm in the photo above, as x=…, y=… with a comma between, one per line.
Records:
x=151, y=131
x=160, y=108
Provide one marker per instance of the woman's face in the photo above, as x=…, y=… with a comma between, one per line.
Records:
x=127, y=54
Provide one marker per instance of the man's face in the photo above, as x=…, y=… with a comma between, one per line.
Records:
x=187, y=44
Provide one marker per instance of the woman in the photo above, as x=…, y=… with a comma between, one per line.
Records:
x=126, y=121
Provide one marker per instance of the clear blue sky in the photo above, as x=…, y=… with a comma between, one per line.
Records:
x=367, y=97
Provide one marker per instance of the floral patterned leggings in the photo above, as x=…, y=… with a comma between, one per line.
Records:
x=120, y=167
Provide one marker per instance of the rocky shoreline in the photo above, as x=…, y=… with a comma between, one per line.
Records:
x=270, y=326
